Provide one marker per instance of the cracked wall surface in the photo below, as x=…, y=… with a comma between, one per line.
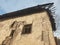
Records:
x=41, y=30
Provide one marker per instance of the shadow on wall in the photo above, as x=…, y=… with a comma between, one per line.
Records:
x=57, y=40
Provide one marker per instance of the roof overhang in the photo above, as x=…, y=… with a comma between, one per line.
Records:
x=31, y=10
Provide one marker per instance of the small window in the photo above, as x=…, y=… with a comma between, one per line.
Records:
x=27, y=29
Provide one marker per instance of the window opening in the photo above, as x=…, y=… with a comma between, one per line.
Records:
x=27, y=29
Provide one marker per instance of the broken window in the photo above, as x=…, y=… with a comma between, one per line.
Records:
x=27, y=29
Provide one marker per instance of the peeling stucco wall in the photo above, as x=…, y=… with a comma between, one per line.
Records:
x=40, y=26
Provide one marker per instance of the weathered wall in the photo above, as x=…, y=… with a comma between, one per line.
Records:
x=41, y=28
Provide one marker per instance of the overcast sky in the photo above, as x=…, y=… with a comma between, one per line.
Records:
x=7, y=6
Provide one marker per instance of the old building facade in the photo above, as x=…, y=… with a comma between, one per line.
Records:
x=31, y=26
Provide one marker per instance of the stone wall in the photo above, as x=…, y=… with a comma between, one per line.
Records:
x=41, y=30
